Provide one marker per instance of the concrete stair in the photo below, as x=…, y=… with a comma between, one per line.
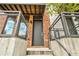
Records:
x=38, y=51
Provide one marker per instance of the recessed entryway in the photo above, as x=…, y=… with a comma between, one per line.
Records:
x=37, y=39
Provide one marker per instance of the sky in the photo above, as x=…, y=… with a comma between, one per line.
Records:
x=9, y=26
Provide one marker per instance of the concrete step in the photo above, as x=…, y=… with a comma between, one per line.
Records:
x=38, y=51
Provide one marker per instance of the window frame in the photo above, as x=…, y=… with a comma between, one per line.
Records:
x=6, y=24
x=21, y=16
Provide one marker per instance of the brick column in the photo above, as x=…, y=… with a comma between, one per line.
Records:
x=46, y=28
x=30, y=28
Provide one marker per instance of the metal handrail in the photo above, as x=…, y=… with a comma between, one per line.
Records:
x=59, y=36
x=55, y=21
x=60, y=17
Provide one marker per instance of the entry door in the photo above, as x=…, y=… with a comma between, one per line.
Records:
x=37, y=33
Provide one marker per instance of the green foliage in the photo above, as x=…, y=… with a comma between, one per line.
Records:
x=62, y=7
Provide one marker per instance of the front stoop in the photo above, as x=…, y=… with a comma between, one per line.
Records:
x=38, y=51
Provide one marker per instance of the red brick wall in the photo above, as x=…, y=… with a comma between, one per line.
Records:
x=30, y=28
x=3, y=19
x=46, y=24
x=45, y=29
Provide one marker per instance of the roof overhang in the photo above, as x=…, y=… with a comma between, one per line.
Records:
x=26, y=9
x=27, y=3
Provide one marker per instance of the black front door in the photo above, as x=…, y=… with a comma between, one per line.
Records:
x=37, y=33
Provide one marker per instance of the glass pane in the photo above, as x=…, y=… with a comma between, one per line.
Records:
x=9, y=26
x=76, y=23
x=22, y=29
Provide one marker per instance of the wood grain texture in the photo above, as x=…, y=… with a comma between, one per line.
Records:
x=71, y=46
x=12, y=46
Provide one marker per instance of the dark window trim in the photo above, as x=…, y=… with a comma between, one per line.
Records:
x=40, y=19
x=19, y=30
x=6, y=24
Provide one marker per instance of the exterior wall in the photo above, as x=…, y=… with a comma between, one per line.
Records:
x=3, y=19
x=12, y=47
x=52, y=18
x=58, y=26
x=66, y=46
x=30, y=29
x=45, y=29
x=46, y=24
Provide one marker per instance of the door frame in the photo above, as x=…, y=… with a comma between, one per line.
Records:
x=33, y=32
x=41, y=19
x=45, y=21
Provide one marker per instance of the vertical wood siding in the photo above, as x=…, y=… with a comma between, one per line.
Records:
x=66, y=46
x=12, y=46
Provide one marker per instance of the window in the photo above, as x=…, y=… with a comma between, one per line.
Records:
x=11, y=23
x=9, y=26
x=76, y=24
x=22, y=29
x=73, y=25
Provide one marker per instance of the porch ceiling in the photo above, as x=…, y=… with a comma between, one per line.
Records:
x=26, y=9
